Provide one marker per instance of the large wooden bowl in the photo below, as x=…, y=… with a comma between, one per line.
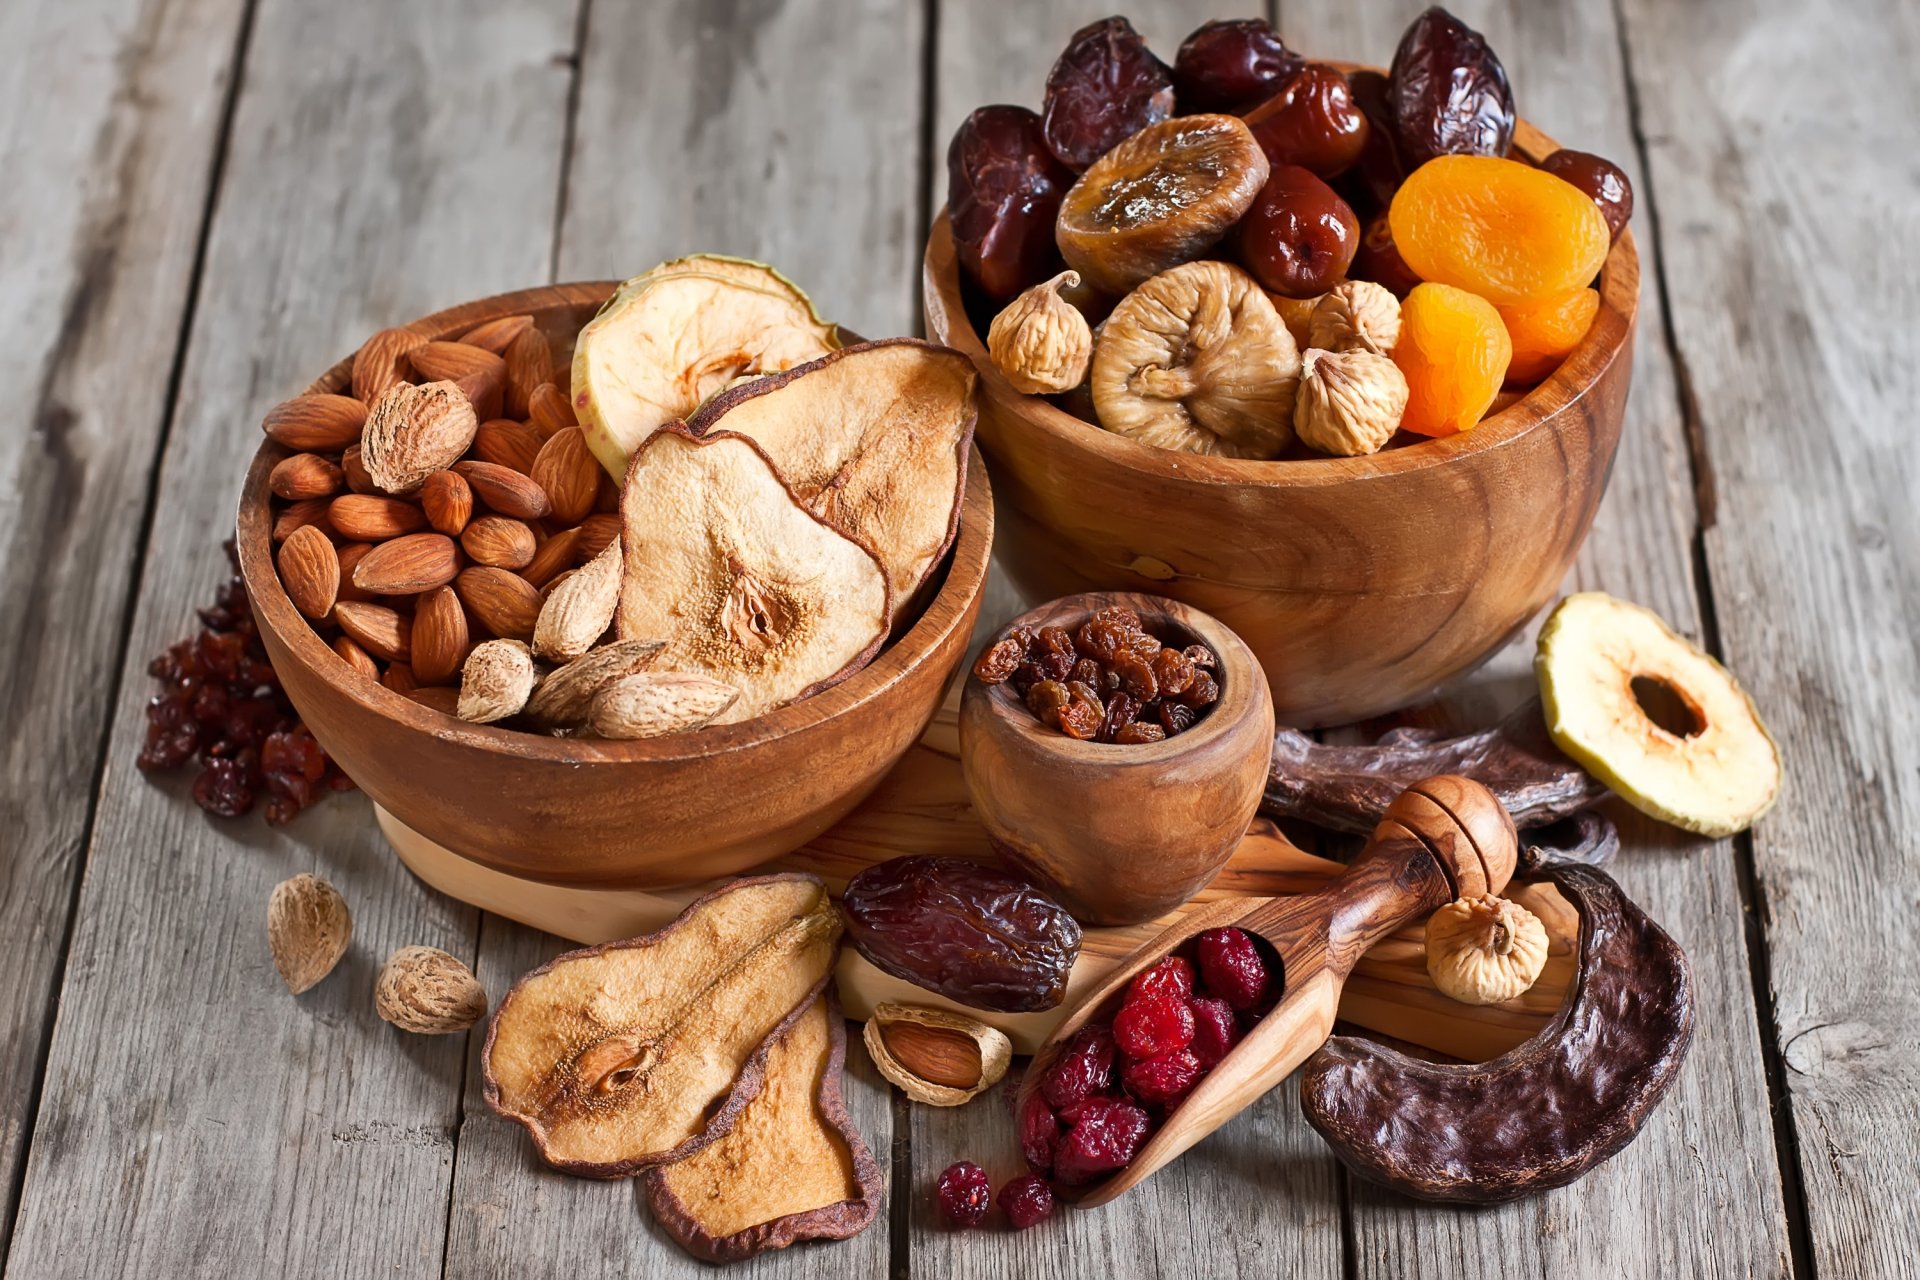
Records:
x=643, y=814
x=1361, y=584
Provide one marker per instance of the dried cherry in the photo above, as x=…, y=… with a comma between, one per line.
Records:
x=1232, y=968
x=1152, y=1025
x=1083, y=1069
x=1603, y=181
x=1215, y=1030
x=963, y=1194
x=1025, y=1200
x=1105, y=86
x=1163, y=1081
x=1106, y=1137
x=1171, y=976
x=1449, y=92
x=1004, y=188
x=1229, y=65
x=972, y=933
x=1039, y=1133
x=1299, y=237
x=1313, y=122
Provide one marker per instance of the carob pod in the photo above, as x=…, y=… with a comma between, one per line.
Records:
x=1349, y=788
x=1584, y=839
x=1541, y=1115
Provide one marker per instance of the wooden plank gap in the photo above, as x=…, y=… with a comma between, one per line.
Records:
x=900, y=1188
x=582, y=25
x=928, y=171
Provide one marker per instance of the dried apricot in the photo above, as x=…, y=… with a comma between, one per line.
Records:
x=1504, y=230
x=1455, y=351
x=1544, y=332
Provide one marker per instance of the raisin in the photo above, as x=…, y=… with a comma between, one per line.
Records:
x=1153, y=1025
x=1171, y=976
x=224, y=787
x=1497, y=228
x=1602, y=180
x=1215, y=1031
x=1139, y=732
x=1084, y=713
x=1543, y=333
x=1039, y=1133
x=1106, y=1137
x=1054, y=653
x=1173, y=671
x=1120, y=616
x=1004, y=188
x=1024, y=677
x=1312, y=122
x=1299, y=237
x=1083, y=1069
x=1087, y=672
x=975, y=934
x=1000, y=660
x=1046, y=700
x=1025, y=1200
x=1122, y=708
x=1136, y=676
x=1176, y=717
x=1104, y=87
x=1203, y=692
x=1231, y=968
x=1163, y=1081
x=1101, y=638
x=1454, y=351
x=1449, y=92
x=1230, y=65
x=1379, y=260
x=963, y=1194
x=1202, y=656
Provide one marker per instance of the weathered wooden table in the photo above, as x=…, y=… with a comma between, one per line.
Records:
x=206, y=201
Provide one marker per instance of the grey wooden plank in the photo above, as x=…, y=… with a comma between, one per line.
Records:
x=1262, y=1196
x=196, y=1119
x=107, y=166
x=1774, y=133
x=1699, y=1192
x=789, y=134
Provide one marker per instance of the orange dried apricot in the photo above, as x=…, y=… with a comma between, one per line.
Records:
x=1454, y=351
x=1543, y=333
x=1504, y=230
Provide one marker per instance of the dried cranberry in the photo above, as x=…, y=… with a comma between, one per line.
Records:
x=964, y=1195
x=1153, y=1025
x=167, y=749
x=1004, y=189
x=1229, y=65
x=1450, y=94
x=224, y=788
x=1231, y=968
x=1105, y=86
x=1106, y=1137
x=1215, y=1031
x=1171, y=976
x=1039, y=1132
x=1084, y=1068
x=1299, y=237
x=1601, y=179
x=1162, y=1081
x=1026, y=1200
x=1313, y=122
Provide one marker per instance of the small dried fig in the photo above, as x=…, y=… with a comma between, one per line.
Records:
x=428, y=992
x=1485, y=949
x=1355, y=315
x=1350, y=402
x=1040, y=342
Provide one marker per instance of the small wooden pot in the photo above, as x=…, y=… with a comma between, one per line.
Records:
x=1362, y=584
x=1121, y=834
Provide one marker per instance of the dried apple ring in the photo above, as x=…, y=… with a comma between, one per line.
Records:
x=1498, y=228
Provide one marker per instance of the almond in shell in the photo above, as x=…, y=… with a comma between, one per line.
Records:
x=413, y=432
x=407, y=566
x=649, y=704
x=565, y=698
x=578, y=611
x=496, y=681
x=310, y=571
x=308, y=929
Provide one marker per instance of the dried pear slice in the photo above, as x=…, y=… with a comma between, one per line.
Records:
x=631, y=1054
x=1715, y=780
x=793, y=1167
x=672, y=337
x=742, y=582
x=873, y=439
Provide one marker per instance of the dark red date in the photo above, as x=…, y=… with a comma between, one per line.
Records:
x=1004, y=189
x=1449, y=92
x=1230, y=65
x=1379, y=259
x=1313, y=122
x=1104, y=87
x=1299, y=237
x=1601, y=179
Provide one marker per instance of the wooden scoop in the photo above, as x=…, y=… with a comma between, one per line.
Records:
x=1443, y=838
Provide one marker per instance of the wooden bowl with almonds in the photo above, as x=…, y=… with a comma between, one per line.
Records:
x=1361, y=584
x=644, y=813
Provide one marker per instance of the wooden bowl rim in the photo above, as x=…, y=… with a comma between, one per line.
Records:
x=1612, y=327
x=966, y=570
x=1241, y=695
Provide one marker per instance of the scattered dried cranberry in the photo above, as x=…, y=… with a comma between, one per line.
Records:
x=1171, y=976
x=1153, y=1025
x=224, y=787
x=1106, y=1137
x=1026, y=1200
x=1039, y=1133
x=1231, y=967
x=1084, y=1068
x=1163, y=1081
x=964, y=1195
x=1215, y=1031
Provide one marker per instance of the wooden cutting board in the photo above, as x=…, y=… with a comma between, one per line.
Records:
x=922, y=808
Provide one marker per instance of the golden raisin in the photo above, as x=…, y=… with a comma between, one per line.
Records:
x=1454, y=351
x=1504, y=230
x=1543, y=333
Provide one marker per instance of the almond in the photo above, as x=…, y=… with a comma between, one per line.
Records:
x=407, y=566
x=577, y=612
x=507, y=443
x=529, y=365
x=936, y=1056
x=414, y=432
x=553, y=555
x=565, y=697
x=399, y=677
x=356, y=657
x=569, y=473
x=494, y=335
x=310, y=571
x=496, y=681
x=350, y=554
x=367, y=517
x=448, y=502
x=315, y=423
x=382, y=632
x=549, y=409
x=500, y=541
x=355, y=471
x=304, y=475
x=650, y=703
x=382, y=361
x=452, y=361
x=298, y=515
x=505, y=490
x=485, y=391
x=607, y=500
x=596, y=531
x=506, y=604
x=439, y=636
x=436, y=697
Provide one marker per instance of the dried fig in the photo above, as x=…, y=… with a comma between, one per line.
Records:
x=873, y=439
x=741, y=581
x=1198, y=359
x=637, y=1053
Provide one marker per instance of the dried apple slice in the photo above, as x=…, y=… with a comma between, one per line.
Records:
x=631, y=1054
x=793, y=1167
x=741, y=581
x=873, y=438
x=674, y=336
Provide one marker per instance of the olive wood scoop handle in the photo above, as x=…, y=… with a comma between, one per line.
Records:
x=1444, y=838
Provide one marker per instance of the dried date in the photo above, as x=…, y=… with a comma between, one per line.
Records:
x=1449, y=92
x=1004, y=188
x=1106, y=86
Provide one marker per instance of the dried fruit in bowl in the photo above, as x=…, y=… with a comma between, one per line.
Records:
x=1105, y=86
x=1003, y=191
x=744, y=584
x=1198, y=359
x=1230, y=65
x=1498, y=228
x=872, y=439
x=1454, y=351
x=1448, y=91
x=672, y=337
